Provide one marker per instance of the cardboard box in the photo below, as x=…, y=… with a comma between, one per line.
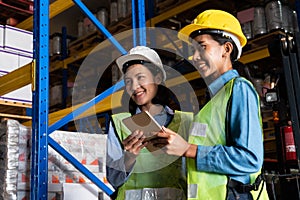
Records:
x=73, y=191
x=22, y=95
x=18, y=40
x=25, y=195
x=10, y=61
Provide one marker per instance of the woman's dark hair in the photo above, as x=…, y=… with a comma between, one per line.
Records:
x=164, y=95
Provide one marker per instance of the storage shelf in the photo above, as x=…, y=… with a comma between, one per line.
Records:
x=174, y=11
x=14, y=110
x=270, y=139
x=267, y=119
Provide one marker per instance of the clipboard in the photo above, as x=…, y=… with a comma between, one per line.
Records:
x=143, y=121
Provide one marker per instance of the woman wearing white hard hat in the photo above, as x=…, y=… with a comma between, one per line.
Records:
x=225, y=146
x=134, y=171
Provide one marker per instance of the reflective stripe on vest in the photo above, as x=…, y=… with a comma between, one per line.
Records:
x=204, y=185
x=155, y=194
x=155, y=170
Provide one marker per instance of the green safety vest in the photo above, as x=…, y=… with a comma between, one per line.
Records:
x=205, y=185
x=155, y=170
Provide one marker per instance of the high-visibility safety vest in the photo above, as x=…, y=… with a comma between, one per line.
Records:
x=155, y=174
x=208, y=129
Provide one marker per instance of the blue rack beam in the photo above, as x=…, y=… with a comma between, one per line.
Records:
x=85, y=106
x=39, y=165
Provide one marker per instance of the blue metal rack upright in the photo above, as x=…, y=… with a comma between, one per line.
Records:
x=40, y=128
x=39, y=168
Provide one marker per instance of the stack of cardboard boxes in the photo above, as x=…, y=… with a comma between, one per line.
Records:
x=16, y=50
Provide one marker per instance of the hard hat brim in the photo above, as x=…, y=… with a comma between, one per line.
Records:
x=129, y=57
x=185, y=32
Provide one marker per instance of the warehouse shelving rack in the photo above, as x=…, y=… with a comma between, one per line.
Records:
x=40, y=120
x=55, y=9
x=37, y=74
x=40, y=128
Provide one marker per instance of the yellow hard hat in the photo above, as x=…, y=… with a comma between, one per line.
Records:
x=214, y=19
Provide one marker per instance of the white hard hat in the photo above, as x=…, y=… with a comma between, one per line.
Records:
x=142, y=53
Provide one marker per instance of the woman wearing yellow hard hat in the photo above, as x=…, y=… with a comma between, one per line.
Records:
x=225, y=146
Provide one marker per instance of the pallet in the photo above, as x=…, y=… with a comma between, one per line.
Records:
x=14, y=110
x=265, y=39
x=168, y=4
x=85, y=42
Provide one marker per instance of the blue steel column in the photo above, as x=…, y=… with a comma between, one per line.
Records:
x=134, y=19
x=140, y=18
x=142, y=22
x=39, y=171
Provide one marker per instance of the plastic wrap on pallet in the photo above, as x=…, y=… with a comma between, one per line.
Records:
x=11, y=139
x=8, y=185
x=9, y=157
x=15, y=152
x=89, y=149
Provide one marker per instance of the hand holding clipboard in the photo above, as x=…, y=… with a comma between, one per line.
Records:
x=145, y=122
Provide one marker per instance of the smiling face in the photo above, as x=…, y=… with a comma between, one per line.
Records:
x=141, y=84
x=211, y=58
